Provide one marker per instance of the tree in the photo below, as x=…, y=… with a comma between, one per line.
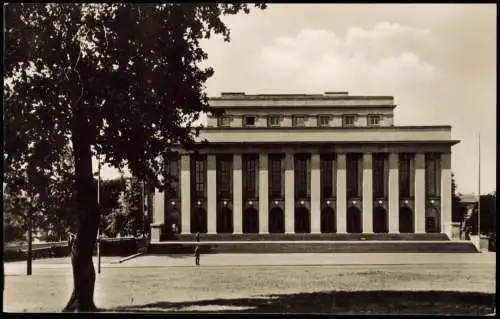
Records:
x=133, y=203
x=488, y=215
x=49, y=198
x=458, y=209
x=58, y=217
x=121, y=80
x=109, y=204
x=14, y=220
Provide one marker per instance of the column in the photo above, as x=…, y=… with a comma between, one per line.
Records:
x=341, y=193
x=315, y=194
x=393, y=193
x=158, y=215
x=419, y=193
x=237, y=194
x=367, y=193
x=446, y=226
x=263, y=194
x=211, y=194
x=186, y=193
x=289, y=195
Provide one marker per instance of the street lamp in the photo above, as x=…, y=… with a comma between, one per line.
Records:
x=99, y=213
x=30, y=239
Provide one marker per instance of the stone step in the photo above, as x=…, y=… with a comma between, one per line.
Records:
x=314, y=247
x=307, y=237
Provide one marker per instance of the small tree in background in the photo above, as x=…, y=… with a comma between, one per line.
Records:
x=488, y=215
x=14, y=220
x=134, y=206
x=110, y=205
x=458, y=209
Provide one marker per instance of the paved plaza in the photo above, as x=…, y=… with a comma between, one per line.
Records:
x=263, y=283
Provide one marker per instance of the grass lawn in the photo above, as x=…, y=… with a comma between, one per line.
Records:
x=337, y=289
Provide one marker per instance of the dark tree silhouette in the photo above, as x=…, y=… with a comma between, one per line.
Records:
x=458, y=209
x=122, y=80
x=488, y=215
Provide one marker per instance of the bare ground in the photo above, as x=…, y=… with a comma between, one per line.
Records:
x=339, y=289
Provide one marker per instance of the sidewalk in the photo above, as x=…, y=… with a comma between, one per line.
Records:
x=232, y=260
x=312, y=259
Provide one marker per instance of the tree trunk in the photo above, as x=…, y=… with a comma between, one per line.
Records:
x=29, y=257
x=82, y=297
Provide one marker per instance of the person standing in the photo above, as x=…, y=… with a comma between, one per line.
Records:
x=197, y=255
x=197, y=237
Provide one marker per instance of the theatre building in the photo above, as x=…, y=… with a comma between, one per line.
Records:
x=329, y=163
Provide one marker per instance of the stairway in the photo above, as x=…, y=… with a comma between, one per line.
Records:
x=313, y=247
x=309, y=237
x=312, y=243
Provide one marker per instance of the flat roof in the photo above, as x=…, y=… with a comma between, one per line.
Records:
x=326, y=96
x=344, y=128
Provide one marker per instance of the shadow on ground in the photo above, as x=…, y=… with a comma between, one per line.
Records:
x=336, y=302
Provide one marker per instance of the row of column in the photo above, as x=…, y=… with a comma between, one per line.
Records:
x=341, y=198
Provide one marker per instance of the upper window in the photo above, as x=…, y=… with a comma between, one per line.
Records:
x=326, y=174
x=301, y=176
x=224, y=175
x=404, y=175
x=173, y=173
x=373, y=120
x=250, y=175
x=299, y=121
x=198, y=178
x=273, y=121
x=323, y=120
x=249, y=121
x=224, y=121
x=275, y=176
x=348, y=120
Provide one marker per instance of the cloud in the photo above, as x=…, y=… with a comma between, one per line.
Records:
x=383, y=58
x=388, y=39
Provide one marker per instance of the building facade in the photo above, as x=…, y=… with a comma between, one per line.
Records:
x=330, y=163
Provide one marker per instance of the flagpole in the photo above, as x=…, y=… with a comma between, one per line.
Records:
x=479, y=190
x=142, y=210
x=99, y=212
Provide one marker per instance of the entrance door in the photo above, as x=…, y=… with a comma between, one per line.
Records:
x=354, y=220
x=380, y=220
x=276, y=221
x=198, y=220
x=328, y=220
x=405, y=220
x=302, y=220
x=250, y=221
x=225, y=221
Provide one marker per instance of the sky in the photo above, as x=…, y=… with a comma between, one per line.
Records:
x=437, y=60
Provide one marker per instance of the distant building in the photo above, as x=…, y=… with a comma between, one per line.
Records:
x=297, y=163
x=470, y=201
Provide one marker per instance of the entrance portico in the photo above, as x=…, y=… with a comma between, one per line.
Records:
x=311, y=179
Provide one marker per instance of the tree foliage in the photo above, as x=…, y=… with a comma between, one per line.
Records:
x=134, y=70
x=14, y=220
x=458, y=209
x=110, y=204
x=48, y=200
x=134, y=202
x=487, y=218
x=121, y=79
